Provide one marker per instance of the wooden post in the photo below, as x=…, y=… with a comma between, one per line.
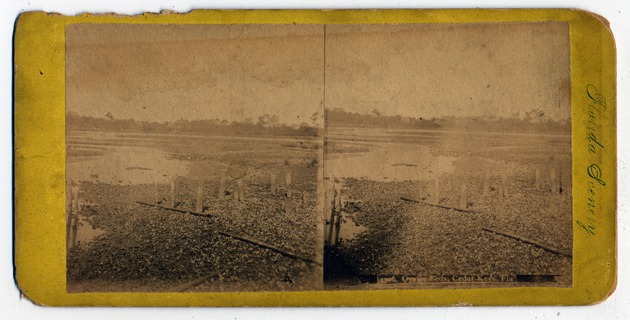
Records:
x=199, y=200
x=553, y=181
x=437, y=190
x=273, y=179
x=337, y=193
x=486, y=182
x=463, y=196
x=339, y=197
x=69, y=204
x=337, y=227
x=68, y=196
x=75, y=229
x=75, y=198
x=500, y=187
x=156, y=197
x=561, y=190
x=172, y=198
x=69, y=218
x=332, y=214
x=69, y=229
x=504, y=184
x=222, y=184
x=287, y=181
x=75, y=215
x=241, y=190
x=330, y=227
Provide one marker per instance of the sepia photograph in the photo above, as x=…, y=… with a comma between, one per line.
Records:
x=222, y=158
x=447, y=156
x=193, y=157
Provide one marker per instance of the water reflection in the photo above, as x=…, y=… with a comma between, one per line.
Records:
x=86, y=232
x=126, y=165
x=390, y=162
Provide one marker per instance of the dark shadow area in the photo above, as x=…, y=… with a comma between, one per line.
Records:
x=338, y=265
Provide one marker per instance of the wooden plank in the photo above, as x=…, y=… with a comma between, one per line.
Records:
x=528, y=241
x=237, y=237
x=268, y=246
x=201, y=214
x=436, y=205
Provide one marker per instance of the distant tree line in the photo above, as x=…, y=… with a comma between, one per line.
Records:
x=534, y=120
x=531, y=121
x=265, y=125
x=499, y=124
x=340, y=117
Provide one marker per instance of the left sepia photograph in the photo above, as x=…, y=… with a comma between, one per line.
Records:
x=193, y=157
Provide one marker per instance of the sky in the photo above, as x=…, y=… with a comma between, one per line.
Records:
x=234, y=72
x=449, y=70
x=195, y=72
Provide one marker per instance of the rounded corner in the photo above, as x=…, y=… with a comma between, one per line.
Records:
x=31, y=295
x=601, y=21
x=606, y=294
x=24, y=17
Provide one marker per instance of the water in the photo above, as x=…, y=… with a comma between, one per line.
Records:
x=349, y=229
x=382, y=154
x=390, y=162
x=137, y=158
x=86, y=232
x=126, y=165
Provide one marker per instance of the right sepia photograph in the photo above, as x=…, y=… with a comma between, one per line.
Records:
x=447, y=156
